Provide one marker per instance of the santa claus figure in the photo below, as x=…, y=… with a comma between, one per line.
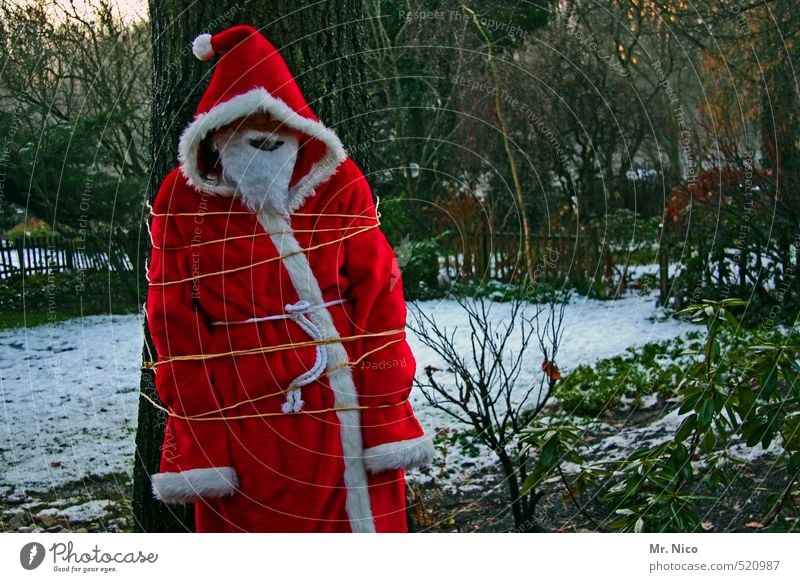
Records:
x=276, y=308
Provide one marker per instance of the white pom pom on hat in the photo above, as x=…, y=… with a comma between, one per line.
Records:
x=202, y=49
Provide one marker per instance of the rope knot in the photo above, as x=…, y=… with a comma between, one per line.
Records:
x=299, y=307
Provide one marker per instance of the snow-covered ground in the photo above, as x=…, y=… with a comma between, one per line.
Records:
x=69, y=390
x=69, y=400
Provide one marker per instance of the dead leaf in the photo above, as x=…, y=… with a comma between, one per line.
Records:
x=551, y=369
x=55, y=464
x=754, y=524
x=707, y=525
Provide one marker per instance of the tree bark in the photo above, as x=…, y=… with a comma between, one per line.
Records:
x=321, y=43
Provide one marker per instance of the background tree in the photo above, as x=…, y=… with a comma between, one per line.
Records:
x=74, y=112
x=322, y=43
x=436, y=73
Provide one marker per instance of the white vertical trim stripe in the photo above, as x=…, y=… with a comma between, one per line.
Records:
x=305, y=283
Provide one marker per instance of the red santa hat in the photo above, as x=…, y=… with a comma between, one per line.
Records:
x=250, y=77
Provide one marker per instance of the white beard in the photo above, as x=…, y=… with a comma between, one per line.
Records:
x=261, y=177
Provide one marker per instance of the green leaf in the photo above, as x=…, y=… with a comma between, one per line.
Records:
x=548, y=454
x=680, y=455
x=706, y=413
x=686, y=428
x=793, y=464
x=790, y=375
x=791, y=428
x=708, y=442
x=531, y=481
x=730, y=319
x=769, y=432
x=746, y=399
x=690, y=402
x=753, y=429
x=715, y=351
x=769, y=382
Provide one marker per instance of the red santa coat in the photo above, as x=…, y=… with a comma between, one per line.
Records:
x=281, y=352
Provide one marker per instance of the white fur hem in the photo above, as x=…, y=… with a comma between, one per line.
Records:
x=254, y=101
x=399, y=455
x=188, y=486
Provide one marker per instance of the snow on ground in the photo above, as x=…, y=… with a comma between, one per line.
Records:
x=69, y=399
x=81, y=512
x=593, y=330
x=69, y=390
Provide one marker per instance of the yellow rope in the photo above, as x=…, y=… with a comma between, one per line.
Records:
x=333, y=215
x=258, y=263
x=270, y=349
x=254, y=235
x=264, y=414
x=280, y=392
x=212, y=212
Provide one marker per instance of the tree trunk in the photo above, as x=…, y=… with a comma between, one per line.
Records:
x=321, y=43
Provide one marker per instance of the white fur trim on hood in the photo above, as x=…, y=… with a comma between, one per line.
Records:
x=399, y=455
x=191, y=485
x=259, y=100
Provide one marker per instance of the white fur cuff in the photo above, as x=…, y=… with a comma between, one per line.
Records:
x=399, y=455
x=191, y=485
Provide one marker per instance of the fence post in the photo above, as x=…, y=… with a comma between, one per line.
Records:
x=20, y=255
x=68, y=252
x=663, y=272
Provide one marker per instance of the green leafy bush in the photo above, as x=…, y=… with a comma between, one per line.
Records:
x=419, y=263
x=653, y=368
x=738, y=385
x=67, y=294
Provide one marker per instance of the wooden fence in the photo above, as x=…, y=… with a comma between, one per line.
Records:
x=577, y=259
x=53, y=254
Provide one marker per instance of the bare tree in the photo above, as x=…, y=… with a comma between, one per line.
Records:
x=481, y=386
x=74, y=95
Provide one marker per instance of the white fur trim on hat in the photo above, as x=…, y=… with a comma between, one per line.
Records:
x=191, y=485
x=202, y=49
x=259, y=100
x=399, y=455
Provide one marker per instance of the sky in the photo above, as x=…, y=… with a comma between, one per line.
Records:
x=130, y=10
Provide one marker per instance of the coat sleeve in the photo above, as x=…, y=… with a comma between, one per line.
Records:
x=392, y=435
x=195, y=458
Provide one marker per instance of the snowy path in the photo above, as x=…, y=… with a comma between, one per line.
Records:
x=69, y=390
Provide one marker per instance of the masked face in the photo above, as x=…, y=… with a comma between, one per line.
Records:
x=260, y=163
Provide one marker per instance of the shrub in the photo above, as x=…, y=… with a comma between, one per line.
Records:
x=419, y=263
x=655, y=368
x=69, y=293
x=736, y=386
